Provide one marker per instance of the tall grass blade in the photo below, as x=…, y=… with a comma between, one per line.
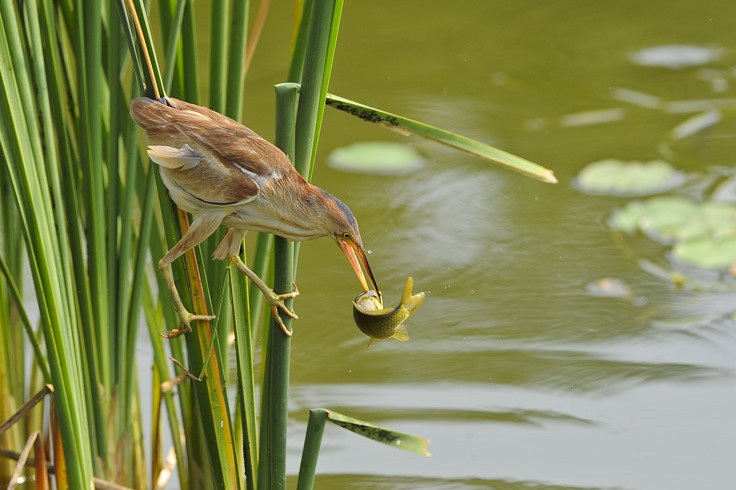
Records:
x=210, y=394
x=245, y=378
x=33, y=183
x=218, y=55
x=172, y=43
x=40, y=358
x=235, y=69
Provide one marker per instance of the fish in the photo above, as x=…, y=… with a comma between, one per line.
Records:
x=381, y=323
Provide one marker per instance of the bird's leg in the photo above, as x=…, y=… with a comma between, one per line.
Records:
x=202, y=227
x=230, y=248
x=275, y=300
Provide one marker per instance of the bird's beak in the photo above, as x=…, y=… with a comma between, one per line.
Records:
x=356, y=256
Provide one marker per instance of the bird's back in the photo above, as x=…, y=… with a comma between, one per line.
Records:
x=174, y=123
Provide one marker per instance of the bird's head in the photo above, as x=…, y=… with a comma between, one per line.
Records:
x=343, y=227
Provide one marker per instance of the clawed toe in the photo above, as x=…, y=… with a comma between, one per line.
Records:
x=185, y=320
x=290, y=295
x=279, y=321
x=277, y=303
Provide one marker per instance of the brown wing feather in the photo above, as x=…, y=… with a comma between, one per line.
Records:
x=226, y=140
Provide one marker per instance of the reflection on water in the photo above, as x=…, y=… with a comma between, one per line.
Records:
x=518, y=373
x=370, y=482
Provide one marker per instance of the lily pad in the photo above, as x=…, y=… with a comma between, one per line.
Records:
x=619, y=178
x=707, y=252
x=376, y=157
x=702, y=234
x=661, y=218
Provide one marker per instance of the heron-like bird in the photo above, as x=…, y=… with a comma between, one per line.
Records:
x=225, y=174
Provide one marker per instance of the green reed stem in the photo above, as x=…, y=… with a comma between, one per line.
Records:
x=299, y=50
x=218, y=55
x=236, y=59
x=245, y=378
x=310, y=451
x=274, y=412
x=320, y=49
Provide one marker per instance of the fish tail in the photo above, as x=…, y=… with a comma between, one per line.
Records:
x=406, y=297
x=414, y=302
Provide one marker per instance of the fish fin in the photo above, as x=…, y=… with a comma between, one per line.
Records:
x=411, y=302
x=370, y=341
x=400, y=333
x=414, y=303
x=406, y=297
x=183, y=158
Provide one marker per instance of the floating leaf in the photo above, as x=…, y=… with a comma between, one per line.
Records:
x=665, y=217
x=660, y=217
x=627, y=218
x=619, y=178
x=376, y=157
x=719, y=218
x=703, y=234
x=706, y=252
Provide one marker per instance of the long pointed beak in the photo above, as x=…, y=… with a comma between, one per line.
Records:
x=356, y=256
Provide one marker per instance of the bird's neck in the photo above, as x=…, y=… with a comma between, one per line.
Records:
x=289, y=208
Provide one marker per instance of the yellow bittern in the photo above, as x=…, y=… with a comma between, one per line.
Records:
x=225, y=174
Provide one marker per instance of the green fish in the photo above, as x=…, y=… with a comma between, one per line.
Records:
x=381, y=323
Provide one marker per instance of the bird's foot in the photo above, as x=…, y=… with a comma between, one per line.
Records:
x=185, y=320
x=277, y=303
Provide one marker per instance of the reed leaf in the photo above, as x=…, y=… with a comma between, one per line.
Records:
x=318, y=417
x=212, y=403
x=399, y=440
x=405, y=125
x=40, y=358
x=236, y=59
x=245, y=376
x=39, y=202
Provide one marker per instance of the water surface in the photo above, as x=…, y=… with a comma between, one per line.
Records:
x=518, y=374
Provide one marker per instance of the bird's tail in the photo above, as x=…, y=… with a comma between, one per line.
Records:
x=147, y=112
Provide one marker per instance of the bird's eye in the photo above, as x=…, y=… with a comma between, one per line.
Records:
x=346, y=236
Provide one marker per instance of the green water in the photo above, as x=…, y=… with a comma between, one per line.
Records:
x=518, y=374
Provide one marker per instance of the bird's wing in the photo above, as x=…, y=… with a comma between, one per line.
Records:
x=208, y=155
x=192, y=175
x=243, y=149
x=183, y=158
x=229, y=142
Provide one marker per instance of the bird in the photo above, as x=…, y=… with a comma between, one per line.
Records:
x=224, y=174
